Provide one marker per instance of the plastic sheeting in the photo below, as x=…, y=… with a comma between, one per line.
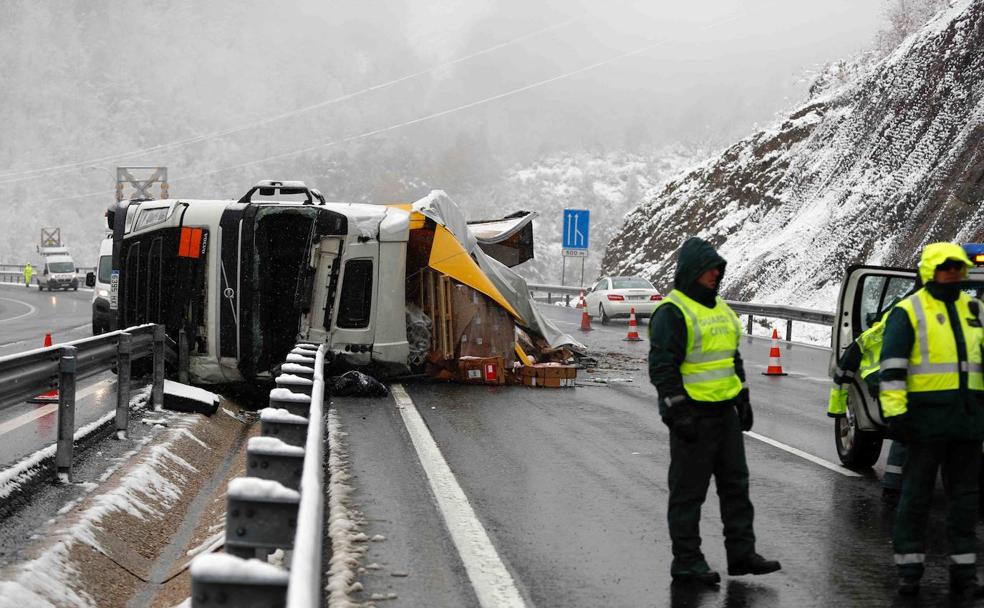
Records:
x=439, y=207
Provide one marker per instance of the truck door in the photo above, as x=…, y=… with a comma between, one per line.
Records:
x=866, y=293
x=353, y=329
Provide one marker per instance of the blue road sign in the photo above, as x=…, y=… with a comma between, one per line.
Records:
x=576, y=228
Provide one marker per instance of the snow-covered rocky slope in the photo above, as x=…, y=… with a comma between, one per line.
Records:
x=866, y=173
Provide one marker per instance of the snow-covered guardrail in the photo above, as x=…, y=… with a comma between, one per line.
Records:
x=52, y=372
x=279, y=505
x=772, y=311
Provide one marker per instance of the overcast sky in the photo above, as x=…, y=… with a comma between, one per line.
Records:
x=714, y=67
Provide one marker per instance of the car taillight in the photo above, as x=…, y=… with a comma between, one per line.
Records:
x=614, y=297
x=655, y=297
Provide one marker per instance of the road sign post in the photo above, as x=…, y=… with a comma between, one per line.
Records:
x=575, y=240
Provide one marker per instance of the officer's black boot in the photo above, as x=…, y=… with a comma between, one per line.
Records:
x=696, y=571
x=753, y=564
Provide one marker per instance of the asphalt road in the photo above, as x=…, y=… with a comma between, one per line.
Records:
x=26, y=315
x=569, y=485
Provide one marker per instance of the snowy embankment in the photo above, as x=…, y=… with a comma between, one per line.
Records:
x=868, y=173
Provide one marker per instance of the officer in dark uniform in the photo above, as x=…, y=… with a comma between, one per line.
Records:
x=695, y=366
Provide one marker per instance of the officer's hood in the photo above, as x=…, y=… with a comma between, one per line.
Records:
x=695, y=257
x=935, y=254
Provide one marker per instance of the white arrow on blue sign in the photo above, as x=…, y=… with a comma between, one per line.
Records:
x=576, y=228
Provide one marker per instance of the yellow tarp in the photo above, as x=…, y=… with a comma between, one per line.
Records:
x=448, y=256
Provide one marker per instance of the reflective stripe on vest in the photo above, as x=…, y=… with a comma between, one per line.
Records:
x=934, y=364
x=708, y=370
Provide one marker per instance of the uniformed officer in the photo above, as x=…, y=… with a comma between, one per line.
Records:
x=861, y=359
x=28, y=271
x=932, y=396
x=695, y=366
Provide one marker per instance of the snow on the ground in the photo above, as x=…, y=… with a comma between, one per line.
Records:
x=346, y=539
x=156, y=480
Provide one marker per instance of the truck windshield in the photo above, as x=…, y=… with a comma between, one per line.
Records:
x=61, y=267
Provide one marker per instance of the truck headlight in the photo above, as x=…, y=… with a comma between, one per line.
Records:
x=102, y=293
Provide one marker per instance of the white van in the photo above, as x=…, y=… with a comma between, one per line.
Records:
x=103, y=305
x=57, y=271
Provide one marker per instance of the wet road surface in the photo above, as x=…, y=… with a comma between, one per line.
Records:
x=570, y=486
x=25, y=316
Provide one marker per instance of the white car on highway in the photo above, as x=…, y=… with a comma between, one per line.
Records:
x=614, y=297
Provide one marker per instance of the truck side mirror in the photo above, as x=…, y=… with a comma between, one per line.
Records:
x=90, y=279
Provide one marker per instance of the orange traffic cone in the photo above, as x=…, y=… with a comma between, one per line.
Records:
x=585, y=319
x=633, y=335
x=580, y=301
x=52, y=395
x=775, y=366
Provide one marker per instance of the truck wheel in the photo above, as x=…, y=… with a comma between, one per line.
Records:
x=601, y=313
x=856, y=449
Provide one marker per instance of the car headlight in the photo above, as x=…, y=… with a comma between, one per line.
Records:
x=102, y=293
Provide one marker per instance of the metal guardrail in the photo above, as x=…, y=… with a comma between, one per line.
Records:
x=60, y=366
x=772, y=311
x=14, y=273
x=279, y=506
x=788, y=313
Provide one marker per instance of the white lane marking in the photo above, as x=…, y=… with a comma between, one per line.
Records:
x=492, y=582
x=26, y=314
x=23, y=419
x=814, y=459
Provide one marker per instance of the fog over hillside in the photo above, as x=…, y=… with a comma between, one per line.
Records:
x=382, y=101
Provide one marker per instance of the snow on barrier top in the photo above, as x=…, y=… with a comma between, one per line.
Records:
x=292, y=379
x=225, y=568
x=296, y=358
x=294, y=368
x=285, y=394
x=304, y=588
x=189, y=392
x=252, y=488
x=279, y=414
x=273, y=447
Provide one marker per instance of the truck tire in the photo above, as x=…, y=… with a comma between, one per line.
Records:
x=856, y=449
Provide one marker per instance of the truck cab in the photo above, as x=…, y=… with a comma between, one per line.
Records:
x=237, y=283
x=866, y=293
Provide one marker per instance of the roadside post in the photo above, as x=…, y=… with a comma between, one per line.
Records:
x=66, y=414
x=123, y=350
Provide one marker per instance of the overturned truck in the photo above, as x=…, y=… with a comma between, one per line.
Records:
x=237, y=282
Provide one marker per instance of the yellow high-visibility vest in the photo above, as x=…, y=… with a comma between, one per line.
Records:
x=708, y=370
x=934, y=364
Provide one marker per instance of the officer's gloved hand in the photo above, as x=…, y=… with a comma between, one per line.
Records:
x=744, y=407
x=681, y=418
x=900, y=429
